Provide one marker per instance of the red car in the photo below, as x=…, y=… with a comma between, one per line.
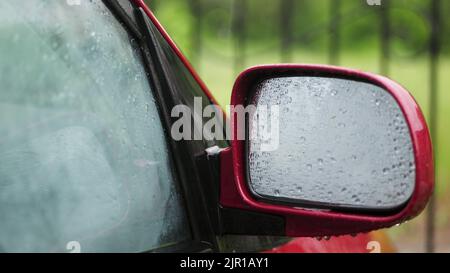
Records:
x=93, y=159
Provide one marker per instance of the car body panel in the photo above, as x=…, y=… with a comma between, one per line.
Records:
x=374, y=242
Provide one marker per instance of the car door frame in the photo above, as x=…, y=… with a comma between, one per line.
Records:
x=202, y=227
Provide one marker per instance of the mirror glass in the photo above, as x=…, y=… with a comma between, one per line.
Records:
x=329, y=143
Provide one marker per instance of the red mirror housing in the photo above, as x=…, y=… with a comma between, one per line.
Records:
x=234, y=190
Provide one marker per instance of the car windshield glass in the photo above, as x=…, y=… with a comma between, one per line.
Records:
x=84, y=163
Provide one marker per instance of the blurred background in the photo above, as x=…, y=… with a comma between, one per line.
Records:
x=406, y=40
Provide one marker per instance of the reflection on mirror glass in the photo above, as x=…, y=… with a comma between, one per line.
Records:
x=341, y=144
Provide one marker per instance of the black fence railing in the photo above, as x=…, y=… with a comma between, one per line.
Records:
x=435, y=22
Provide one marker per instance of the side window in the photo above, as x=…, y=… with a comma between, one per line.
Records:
x=83, y=157
x=182, y=84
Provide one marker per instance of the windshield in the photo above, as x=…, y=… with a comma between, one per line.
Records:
x=84, y=165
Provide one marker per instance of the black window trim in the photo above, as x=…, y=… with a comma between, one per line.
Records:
x=203, y=235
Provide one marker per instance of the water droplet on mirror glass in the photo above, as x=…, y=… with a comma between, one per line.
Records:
x=331, y=150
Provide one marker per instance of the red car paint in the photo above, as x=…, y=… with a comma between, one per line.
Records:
x=234, y=190
x=374, y=242
x=357, y=243
x=341, y=244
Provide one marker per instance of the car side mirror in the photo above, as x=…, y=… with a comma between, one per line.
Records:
x=326, y=150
